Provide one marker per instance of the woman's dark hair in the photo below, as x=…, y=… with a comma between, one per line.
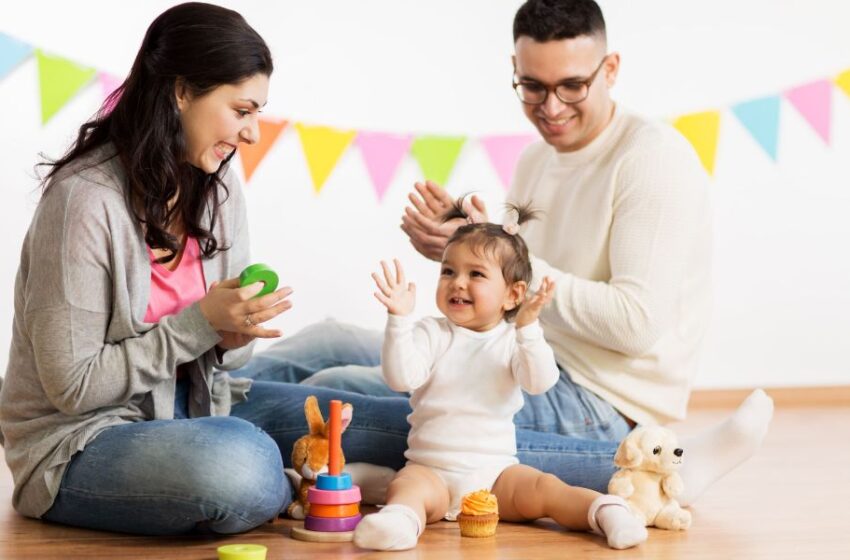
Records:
x=493, y=240
x=203, y=46
x=553, y=20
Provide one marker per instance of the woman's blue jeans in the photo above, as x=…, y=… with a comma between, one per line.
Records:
x=225, y=474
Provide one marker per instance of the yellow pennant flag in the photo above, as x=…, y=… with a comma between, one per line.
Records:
x=701, y=130
x=843, y=81
x=323, y=146
x=59, y=80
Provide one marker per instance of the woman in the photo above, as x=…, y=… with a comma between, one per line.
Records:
x=112, y=413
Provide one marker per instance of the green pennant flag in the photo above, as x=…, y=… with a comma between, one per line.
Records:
x=437, y=155
x=59, y=79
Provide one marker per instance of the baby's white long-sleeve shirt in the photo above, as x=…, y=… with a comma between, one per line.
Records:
x=465, y=387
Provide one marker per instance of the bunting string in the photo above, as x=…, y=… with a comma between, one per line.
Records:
x=60, y=80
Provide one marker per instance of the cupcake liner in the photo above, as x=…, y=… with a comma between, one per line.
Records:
x=478, y=525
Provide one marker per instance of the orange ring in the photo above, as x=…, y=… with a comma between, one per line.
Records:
x=330, y=510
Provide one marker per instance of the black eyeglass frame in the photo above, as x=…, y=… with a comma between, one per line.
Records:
x=554, y=89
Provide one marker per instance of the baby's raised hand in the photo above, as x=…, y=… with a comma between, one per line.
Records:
x=532, y=306
x=395, y=293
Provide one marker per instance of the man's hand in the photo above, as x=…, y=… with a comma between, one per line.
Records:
x=423, y=223
x=396, y=294
x=530, y=309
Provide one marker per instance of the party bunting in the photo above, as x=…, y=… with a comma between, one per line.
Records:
x=504, y=152
x=761, y=119
x=701, y=130
x=323, y=146
x=108, y=84
x=252, y=154
x=843, y=81
x=382, y=154
x=60, y=79
x=12, y=53
x=437, y=155
x=814, y=102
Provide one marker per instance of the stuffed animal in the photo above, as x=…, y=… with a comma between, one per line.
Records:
x=649, y=459
x=310, y=453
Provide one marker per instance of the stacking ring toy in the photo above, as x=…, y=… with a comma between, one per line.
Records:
x=242, y=552
x=342, y=510
x=259, y=273
x=331, y=524
x=333, y=497
x=333, y=482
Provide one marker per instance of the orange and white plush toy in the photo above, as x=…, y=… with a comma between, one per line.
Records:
x=649, y=459
x=310, y=453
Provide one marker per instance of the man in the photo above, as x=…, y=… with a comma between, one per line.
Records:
x=626, y=234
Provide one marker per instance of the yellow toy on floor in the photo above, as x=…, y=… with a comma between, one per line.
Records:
x=649, y=459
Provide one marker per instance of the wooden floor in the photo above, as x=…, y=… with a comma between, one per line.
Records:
x=791, y=501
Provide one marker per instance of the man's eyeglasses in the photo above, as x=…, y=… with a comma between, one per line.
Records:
x=569, y=92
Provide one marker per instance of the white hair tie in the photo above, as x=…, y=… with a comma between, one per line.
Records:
x=510, y=222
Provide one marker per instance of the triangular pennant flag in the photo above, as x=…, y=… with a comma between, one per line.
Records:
x=252, y=154
x=108, y=84
x=12, y=53
x=761, y=118
x=382, y=154
x=701, y=130
x=60, y=79
x=323, y=146
x=814, y=102
x=843, y=81
x=437, y=155
x=504, y=153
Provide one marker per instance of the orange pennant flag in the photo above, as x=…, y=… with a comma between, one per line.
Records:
x=252, y=154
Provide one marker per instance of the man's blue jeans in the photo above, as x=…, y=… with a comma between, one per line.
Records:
x=345, y=357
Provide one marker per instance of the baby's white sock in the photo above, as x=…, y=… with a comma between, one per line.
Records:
x=395, y=527
x=714, y=453
x=610, y=516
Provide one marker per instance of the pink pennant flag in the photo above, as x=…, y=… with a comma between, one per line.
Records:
x=108, y=84
x=504, y=153
x=814, y=102
x=382, y=153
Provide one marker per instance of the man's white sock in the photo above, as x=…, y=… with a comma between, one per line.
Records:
x=395, y=527
x=610, y=516
x=717, y=451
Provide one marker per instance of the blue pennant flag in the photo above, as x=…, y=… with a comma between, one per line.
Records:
x=12, y=53
x=761, y=118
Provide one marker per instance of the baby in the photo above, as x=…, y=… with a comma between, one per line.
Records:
x=465, y=372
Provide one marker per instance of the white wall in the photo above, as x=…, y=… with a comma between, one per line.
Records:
x=782, y=313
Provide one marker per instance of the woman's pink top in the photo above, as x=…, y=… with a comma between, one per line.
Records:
x=174, y=290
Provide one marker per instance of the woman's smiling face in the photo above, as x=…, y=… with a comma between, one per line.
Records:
x=215, y=123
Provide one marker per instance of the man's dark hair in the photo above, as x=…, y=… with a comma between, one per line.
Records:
x=553, y=20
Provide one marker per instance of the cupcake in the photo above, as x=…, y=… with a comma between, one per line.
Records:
x=479, y=514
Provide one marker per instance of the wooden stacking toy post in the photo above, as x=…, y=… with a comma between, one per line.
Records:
x=335, y=439
x=334, y=501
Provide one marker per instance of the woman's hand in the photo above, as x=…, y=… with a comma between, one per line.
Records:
x=234, y=310
x=531, y=308
x=233, y=340
x=396, y=294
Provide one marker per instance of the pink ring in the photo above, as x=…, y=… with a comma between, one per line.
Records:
x=333, y=497
x=331, y=524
